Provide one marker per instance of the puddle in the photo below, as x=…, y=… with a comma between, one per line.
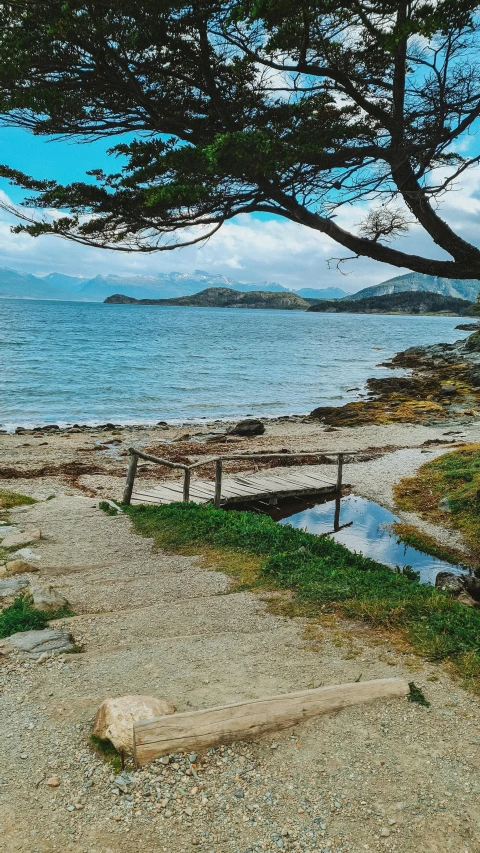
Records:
x=364, y=526
x=359, y=524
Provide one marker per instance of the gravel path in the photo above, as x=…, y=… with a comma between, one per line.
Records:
x=391, y=776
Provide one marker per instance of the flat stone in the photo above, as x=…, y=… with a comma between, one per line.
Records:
x=19, y=567
x=12, y=586
x=47, y=598
x=49, y=641
x=18, y=540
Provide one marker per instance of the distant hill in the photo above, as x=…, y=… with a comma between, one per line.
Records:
x=222, y=297
x=325, y=293
x=405, y=302
x=414, y=281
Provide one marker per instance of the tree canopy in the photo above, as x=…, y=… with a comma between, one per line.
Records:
x=289, y=107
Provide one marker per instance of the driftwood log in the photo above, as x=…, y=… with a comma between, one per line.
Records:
x=199, y=730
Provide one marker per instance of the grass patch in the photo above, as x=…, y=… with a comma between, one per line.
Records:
x=106, y=750
x=8, y=500
x=456, y=477
x=108, y=508
x=323, y=574
x=23, y=616
x=417, y=695
x=411, y=535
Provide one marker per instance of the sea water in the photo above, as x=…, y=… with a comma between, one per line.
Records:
x=70, y=362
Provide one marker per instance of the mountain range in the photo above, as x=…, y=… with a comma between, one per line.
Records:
x=17, y=285
x=414, y=281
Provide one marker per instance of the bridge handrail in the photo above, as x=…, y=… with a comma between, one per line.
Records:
x=136, y=454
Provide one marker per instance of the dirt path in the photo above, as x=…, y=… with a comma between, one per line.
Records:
x=396, y=777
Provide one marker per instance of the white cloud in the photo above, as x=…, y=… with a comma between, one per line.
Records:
x=249, y=249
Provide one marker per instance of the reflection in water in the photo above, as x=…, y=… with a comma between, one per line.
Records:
x=363, y=526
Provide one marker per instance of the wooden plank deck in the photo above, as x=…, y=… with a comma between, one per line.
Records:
x=242, y=487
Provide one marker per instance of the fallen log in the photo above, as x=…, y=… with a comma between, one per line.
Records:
x=198, y=730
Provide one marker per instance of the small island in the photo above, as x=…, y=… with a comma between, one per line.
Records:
x=223, y=297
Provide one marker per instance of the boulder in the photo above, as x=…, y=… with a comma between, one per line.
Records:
x=465, y=588
x=50, y=641
x=444, y=505
x=115, y=718
x=250, y=426
x=448, y=390
x=19, y=567
x=12, y=586
x=47, y=599
x=18, y=540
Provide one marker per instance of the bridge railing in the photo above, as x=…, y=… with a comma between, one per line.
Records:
x=136, y=454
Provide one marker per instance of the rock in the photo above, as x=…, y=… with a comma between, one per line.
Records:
x=19, y=567
x=125, y=782
x=444, y=505
x=448, y=390
x=50, y=641
x=53, y=782
x=115, y=717
x=12, y=586
x=251, y=426
x=465, y=588
x=474, y=377
x=384, y=832
x=453, y=583
x=47, y=599
x=18, y=540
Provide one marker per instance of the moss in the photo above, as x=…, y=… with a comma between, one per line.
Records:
x=8, y=500
x=456, y=477
x=322, y=574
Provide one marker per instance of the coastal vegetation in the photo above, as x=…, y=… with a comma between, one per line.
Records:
x=406, y=302
x=398, y=303
x=446, y=491
x=294, y=110
x=323, y=577
x=222, y=297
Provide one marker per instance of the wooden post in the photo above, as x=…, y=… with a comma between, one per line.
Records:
x=132, y=470
x=218, y=483
x=339, y=472
x=186, y=485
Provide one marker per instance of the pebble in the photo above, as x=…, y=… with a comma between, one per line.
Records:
x=53, y=782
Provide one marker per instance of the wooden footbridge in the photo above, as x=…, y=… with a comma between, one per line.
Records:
x=266, y=485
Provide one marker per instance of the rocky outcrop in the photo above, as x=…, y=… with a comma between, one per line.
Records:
x=115, y=718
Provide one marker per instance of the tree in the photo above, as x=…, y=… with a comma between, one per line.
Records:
x=288, y=107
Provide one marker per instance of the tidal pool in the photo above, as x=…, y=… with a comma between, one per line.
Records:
x=363, y=526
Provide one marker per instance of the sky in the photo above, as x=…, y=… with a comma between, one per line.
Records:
x=249, y=249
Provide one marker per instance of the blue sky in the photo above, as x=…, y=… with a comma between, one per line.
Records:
x=253, y=248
